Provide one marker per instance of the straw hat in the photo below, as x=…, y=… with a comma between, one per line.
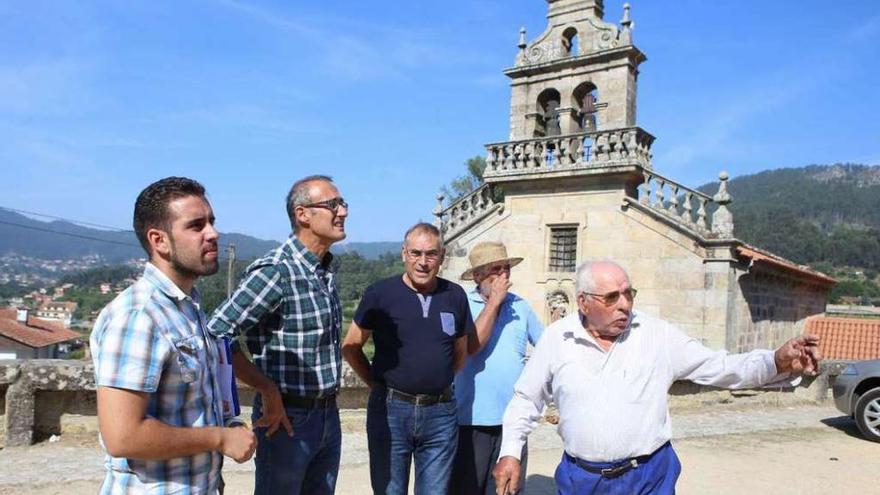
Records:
x=487, y=253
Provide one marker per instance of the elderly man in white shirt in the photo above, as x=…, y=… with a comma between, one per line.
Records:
x=609, y=369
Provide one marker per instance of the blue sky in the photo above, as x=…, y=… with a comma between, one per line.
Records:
x=97, y=99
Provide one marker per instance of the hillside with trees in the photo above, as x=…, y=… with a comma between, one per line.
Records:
x=824, y=216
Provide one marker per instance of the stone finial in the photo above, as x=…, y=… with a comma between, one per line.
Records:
x=627, y=25
x=722, y=197
x=626, y=22
x=438, y=211
x=722, y=220
x=522, y=38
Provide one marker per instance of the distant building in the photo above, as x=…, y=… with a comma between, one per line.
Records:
x=57, y=311
x=23, y=336
x=105, y=288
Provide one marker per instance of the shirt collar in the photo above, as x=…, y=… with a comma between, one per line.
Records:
x=161, y=281
x=295, y=249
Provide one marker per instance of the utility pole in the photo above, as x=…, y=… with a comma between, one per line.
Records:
x=230, y=250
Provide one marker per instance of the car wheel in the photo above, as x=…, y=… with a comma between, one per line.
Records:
x=868, y=414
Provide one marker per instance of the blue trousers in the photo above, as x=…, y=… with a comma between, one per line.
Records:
x=398, y=432
x=308, y=462
x=656, y=476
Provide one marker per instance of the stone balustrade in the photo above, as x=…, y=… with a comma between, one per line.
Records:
x=708, y=215
x=624, y=146
x=468, y=210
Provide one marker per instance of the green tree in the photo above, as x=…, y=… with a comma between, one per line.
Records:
x=462, y=185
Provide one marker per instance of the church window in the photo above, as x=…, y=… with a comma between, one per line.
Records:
x=563, y=248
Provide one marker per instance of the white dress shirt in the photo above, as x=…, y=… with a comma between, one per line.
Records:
x=613, y=405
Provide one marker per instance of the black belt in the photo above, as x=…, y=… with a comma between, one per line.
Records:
x=617, y=468
x=421, y=399
x=291, y=400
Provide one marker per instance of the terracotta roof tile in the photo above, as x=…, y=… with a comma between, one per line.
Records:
x=37, y=333
x=846, y=338
x=759, y=255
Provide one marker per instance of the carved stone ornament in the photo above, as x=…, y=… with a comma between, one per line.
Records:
x=557, y=303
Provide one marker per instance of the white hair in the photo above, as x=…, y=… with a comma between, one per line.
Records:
x=585, y=281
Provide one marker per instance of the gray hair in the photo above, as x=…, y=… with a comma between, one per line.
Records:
x=426, y=228
x=299, y=195
x=585, y=280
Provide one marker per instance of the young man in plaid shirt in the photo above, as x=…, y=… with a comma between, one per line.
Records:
x=288, y=310
x=159, y=399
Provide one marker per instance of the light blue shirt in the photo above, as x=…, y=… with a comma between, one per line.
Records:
x=485, y=385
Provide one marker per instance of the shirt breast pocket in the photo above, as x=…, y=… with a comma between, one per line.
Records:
x=187, y=351
x=447, y=323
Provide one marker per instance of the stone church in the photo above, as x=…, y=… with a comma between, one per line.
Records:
x=575, y=181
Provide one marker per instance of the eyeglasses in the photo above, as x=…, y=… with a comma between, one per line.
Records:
x=328, y=204
x=612, y=297
x=495, y=270
x=430, y=255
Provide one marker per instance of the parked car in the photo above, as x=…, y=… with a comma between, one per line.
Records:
x=857, y=393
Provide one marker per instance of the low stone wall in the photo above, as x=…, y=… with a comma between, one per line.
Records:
x=36, y=393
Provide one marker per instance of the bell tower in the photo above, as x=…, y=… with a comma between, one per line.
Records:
x=579, y=75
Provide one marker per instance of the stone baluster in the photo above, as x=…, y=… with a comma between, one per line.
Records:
x=722, y=219
x=645, y=190
x=508, y=157
x=687, y=212
x=578, y=150
x=673, y=200
x=701, y=213
x=658, y=193
x=438, y=212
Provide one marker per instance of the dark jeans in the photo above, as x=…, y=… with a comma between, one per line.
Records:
x=306, y=463
x=478, y=449
x=397, y=432
x=656, y=476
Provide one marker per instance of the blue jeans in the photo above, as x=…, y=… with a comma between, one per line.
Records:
x=397, y=432
x=306, y=463
x=656, y=476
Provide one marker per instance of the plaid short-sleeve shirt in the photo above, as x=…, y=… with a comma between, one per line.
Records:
x=287, y=307
x=153, y=338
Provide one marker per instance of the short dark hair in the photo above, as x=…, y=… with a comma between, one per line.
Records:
x=424, y=227
x=151, y=206
x=299, y=195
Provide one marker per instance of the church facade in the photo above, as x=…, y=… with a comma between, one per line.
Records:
x=575, y=181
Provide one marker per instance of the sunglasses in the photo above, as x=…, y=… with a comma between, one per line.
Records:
x=329, y=204
x=610, y=298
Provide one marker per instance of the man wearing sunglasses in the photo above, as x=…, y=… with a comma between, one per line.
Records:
x=609, y=370
x=287, y=307
x=505, y=325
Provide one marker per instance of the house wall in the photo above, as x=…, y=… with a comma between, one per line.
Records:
x=771, y=307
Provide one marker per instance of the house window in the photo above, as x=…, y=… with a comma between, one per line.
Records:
x=563, y=249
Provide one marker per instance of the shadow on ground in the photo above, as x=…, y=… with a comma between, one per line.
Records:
x=538, y=483
x=845, y=424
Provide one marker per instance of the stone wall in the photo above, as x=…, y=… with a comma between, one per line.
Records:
x=771, y=307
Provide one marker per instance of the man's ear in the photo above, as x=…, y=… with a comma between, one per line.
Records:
x=582, y=302
x=302, y=216
x=403, y=253
x=159, y=241
x=442, y=255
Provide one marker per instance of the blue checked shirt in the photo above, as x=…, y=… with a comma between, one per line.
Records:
x=152, y=338
x=287, y=307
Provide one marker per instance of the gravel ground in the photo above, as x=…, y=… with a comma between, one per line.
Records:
x=801, y=449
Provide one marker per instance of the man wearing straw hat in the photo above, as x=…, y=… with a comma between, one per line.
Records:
x=485, y=385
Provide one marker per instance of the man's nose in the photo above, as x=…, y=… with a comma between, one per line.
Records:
x=211, y=233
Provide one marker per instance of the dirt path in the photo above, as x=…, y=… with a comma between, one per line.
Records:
x=806, y=450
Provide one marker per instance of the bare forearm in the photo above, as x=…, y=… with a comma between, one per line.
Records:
x=250, y=373
x=358, y=360
x=484, y=325
x=152, y=440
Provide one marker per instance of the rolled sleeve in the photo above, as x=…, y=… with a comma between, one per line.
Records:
x=258, y=295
